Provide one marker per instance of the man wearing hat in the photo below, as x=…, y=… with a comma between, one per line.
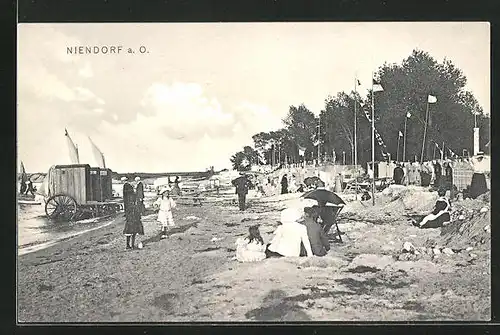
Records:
x=139, y=191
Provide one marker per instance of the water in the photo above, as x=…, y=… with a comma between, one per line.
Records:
x=35, y=231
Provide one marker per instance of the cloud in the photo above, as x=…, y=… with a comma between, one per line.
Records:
x=184, y=129
x=86, y=71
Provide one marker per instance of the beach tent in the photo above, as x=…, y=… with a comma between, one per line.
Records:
x=159, y=182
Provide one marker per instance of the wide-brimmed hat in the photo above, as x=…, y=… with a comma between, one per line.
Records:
x=290, y=215
x=165, y=189
x=123, y=178
x=137, y=178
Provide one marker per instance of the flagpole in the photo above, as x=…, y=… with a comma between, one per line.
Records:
x=434, y=152
x=397, y=154
x=373, y=145
x=355, y=136
x=442, y=152
x=319, y=137
x=425, y=132
x=404, y=140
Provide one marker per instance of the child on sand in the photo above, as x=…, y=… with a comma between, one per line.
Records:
x=252, y=247
x=165, y=217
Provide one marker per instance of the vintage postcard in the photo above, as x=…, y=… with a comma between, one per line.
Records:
x=253, y=172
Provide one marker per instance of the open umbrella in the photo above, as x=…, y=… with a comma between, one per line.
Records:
x=329, y=198
x=324, y=195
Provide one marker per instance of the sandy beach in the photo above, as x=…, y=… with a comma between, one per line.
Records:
x=192, y=276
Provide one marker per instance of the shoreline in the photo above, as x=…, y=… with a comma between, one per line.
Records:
x=191, y=276
x=44, y=245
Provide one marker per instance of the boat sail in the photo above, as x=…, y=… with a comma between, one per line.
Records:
x=99, y=156
x=73, y=149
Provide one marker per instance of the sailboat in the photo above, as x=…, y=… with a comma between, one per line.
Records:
x=26, y=199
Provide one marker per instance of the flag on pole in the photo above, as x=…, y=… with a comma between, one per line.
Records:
x=400, y=134
x=377, y=87
x=316, y=143
x=73, y=150
x=359, y=83
x=99, y=156
x=408, y=114
x=440, y=151
x=431, y=99
x=302, y=151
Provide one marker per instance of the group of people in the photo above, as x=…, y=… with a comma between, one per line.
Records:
x=133, y=202
x=300, y=233
x=27, y=188
x=424, y=174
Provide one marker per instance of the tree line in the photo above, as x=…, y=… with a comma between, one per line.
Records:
x=406, y=90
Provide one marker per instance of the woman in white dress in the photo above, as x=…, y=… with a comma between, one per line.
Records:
x=165, y=216
x=289, y=236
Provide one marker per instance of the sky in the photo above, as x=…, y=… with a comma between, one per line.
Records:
x=201, y=90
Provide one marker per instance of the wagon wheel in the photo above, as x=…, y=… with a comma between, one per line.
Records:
x=61, y=206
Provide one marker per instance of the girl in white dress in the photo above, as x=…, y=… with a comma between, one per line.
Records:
x=165, y=216
x=252, y=247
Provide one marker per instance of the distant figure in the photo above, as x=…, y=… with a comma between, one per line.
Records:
x=478, y=184
x=398, y=175
x=440, y=216
x=448, y=172
x=289, y=236
x=425, y=175
x=139, y=191
x=176, y=190
x=217, y=185
x=133, y=224
x=165, y=216
x=30, y=188
x=242, y=185
x=366, y=196
x=438, y=173
x=284, y=184
x=317, y=237
x=252, y=247
x=24, y=187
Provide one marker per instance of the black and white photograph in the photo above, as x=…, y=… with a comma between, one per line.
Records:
x=253, y=172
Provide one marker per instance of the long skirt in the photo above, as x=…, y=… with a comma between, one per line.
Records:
x=133, y=226
x=478, y=185
x=435, y=220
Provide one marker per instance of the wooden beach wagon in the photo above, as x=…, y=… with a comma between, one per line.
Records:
x=79, y=191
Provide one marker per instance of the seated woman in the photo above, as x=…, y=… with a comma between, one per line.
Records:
x=289, y=236
x=252, y=247
x=317, y=237
x=440, y=216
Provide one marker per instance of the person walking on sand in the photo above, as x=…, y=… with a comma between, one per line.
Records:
x=133, y=224
x=139, y=191
x=165, y=217
x=284, y=184
x=242, y=185
x=252, y=247
x=176, y=190
x=289, y=236
x=317, y=237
